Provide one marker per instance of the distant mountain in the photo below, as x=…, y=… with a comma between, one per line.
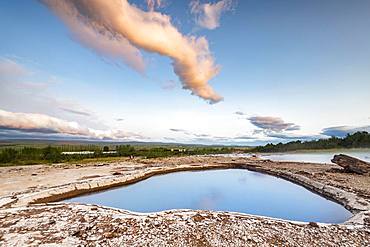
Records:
x=12, y=142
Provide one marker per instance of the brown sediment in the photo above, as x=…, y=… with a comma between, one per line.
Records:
x=350, y=190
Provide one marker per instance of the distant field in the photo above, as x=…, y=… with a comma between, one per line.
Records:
x=111, y=145
x=38, y=152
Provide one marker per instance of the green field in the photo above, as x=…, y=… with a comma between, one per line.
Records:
x=29, y=152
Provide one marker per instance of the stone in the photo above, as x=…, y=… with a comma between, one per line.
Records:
x=351, y=164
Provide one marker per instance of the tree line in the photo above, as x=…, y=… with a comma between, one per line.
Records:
x=54, y=154
x=355, y=140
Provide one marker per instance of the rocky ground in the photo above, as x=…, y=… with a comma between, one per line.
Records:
x=25, y=224
x=73, y=225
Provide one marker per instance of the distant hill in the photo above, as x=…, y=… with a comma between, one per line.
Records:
x=59, y=142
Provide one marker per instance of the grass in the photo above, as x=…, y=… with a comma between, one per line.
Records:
x=30, y=153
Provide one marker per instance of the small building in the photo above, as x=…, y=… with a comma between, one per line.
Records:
x=78, y=152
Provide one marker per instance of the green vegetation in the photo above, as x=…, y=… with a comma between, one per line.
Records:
x=356, y=140
x=37, y=153
x=26, y=155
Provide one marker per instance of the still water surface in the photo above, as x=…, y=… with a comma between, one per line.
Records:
x=318, y=156
x=223, y=190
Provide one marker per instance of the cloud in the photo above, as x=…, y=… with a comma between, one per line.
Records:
x=120, y=119
x=44, y=124
x=240, y=113
x=11, y=69
x=181, y=131
x=189, y=133
x=152, y=4
x=208, y=15
x=274, y=124
x=117, y=28
x=177, y=130
x=169, y=85
x=78, y=112
x=244, y=138
x=206, y=138
x=291, y=137
x=36, y=90
x=202, y=135
x=342, y=131
x=196, y=136
x=95, y=36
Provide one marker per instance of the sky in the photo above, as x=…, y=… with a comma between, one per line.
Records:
x=233, y=72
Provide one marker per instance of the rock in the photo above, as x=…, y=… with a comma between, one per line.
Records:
x=313, y=224
x=77, y=233
x=101, y=164
x=108, y=235
x=351, y=164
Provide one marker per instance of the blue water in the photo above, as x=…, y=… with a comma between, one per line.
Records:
x=318, y=156
x=235, y=190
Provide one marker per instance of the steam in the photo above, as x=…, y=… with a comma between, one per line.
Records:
x=118, y=29
x=208, y=15
x=40, y=123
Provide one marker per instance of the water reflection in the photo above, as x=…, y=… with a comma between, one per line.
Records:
x=318, y=156
x=225, y=190
x=209, y=201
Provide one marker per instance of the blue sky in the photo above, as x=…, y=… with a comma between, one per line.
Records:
x=304, y=63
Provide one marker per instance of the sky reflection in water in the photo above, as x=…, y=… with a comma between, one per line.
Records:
x=224, y=190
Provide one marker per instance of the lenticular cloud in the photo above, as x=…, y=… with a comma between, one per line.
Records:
x=118, y=29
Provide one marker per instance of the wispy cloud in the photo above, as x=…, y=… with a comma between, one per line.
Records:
x=152, y=4
x=208, y=15
x=10, y=69
x=18, y=81
x=189, y=133
x=117, y=28
x=244, y=137
x=45, y=124
x=342, y=131
x=177, y=130
x=240, y=113
x=207, y=138
x=291, y=137
x=83, y=113
x=275, y=124
x=169, y=85
x=181, y=131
